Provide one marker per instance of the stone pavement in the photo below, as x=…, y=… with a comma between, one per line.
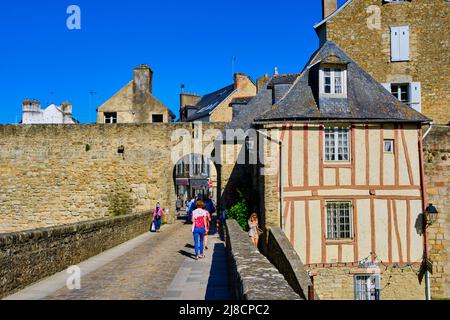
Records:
x=205, y=279
x=150, y=267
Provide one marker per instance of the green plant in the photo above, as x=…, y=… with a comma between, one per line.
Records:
x=239, y=212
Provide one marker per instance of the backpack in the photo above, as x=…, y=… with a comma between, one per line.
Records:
x=200, y=222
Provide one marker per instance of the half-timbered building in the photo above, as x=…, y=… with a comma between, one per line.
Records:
x=350, y=193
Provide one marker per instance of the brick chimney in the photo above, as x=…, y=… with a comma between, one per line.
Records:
x=328, y=7
x=143, y=78
x=239, y=79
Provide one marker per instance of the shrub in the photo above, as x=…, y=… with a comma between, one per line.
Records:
x=239, y=212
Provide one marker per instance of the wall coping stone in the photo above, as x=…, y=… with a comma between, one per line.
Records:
x=252, y=275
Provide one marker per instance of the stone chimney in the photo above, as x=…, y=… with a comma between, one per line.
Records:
x=187, y=100
x=66, y=108
x=328, y=7
x=239, y=79
x=260, y=82
x=31, y=106
x=142, y=83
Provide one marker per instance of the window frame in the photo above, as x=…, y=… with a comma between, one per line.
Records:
x=338, y=219
x=392, y=141
x=333, y=69
x=112, y=115
x=377, y=286
x=336, y=144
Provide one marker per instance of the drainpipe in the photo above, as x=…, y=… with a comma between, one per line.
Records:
x=280, y=144
x=424, y=205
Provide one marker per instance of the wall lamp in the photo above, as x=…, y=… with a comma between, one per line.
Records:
x=431, y=214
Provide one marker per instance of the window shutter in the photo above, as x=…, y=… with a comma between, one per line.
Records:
x=416, y=96
x=395, y=44
x=404, y=43
x=387, y=86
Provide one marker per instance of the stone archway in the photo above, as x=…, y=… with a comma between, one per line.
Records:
x=193, y=175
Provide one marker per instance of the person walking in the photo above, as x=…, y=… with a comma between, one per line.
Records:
x=157, y=217
x=179, y=204
x=254, y=228
x=199, y=217
x=190, y=209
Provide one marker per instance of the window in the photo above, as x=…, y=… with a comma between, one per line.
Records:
x=408, y=93
x=400, y=43
x=157, y=118
x=389, y=146
x=367, y=287
x=339, y=221
x=337, y=144
x=333, y=81
x=110, y=117
x=401, y=92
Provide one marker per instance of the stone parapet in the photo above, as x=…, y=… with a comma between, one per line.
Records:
x=28, y=256
x=283, y=256
x=253, y=277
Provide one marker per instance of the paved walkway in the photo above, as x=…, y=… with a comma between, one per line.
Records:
x=153, y=266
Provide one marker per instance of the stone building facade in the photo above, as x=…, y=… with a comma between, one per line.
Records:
x=135, y=103
x=402, y=44
x=437, y=176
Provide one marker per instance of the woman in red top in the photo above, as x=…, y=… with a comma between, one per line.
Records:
x=199, y=218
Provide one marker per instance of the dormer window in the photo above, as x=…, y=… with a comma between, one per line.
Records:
x=333, y=81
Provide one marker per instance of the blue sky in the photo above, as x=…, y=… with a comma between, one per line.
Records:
x=190, y=42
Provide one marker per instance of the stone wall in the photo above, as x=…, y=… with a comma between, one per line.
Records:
x=437, y=175
x=253, y=277
x=337, y=283
x=283, y=256
x=26, y=257
x=59, y=174
x=366, y=38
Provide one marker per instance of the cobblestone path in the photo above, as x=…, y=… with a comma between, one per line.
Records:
x=151, y=270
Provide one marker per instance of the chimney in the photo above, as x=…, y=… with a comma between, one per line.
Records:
x=239, y=79
x=328, y=7
x=187, y=101
x=143, y=77
x=260, y=82
x=66, y=108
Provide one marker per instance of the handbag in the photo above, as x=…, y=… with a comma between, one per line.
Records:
x=260, y=231
x=153, y=228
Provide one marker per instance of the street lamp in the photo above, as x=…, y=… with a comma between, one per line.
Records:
x=431, y=214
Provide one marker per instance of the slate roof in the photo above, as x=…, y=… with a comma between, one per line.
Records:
x=367, y=100
x=211, y=101
x=258, y=105
x=283, y=79
x=242, y=100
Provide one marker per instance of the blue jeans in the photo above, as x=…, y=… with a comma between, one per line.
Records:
x=157, y=224
x=199, y=234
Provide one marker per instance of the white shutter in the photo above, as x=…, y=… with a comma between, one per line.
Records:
x=387, y=86
x=404, y=43
x=416, y=96
x=395, y=43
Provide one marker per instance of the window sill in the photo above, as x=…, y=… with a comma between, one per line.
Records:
x=334, y=164
x=339, y=242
